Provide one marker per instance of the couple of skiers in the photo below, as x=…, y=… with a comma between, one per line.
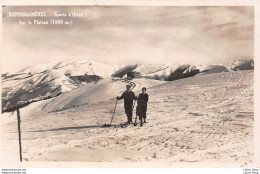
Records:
x=141, y=108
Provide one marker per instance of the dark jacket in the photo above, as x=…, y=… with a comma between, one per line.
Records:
x=143, y=99
x=128, y=97
x=142, y=102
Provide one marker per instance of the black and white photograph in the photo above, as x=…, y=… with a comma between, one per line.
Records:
x=171, y=85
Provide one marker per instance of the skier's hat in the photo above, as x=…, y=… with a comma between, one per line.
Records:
x=128, y=86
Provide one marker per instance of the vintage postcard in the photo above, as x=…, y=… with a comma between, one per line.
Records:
x=128, y=85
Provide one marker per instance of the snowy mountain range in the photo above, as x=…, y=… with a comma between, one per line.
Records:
x=49, y=80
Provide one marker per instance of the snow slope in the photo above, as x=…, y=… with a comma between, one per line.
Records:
x=199, y=121
x=49, y=80
x=95, y=92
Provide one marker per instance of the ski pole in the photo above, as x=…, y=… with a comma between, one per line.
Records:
x=113, y=113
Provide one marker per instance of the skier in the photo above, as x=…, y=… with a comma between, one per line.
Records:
x=128, y=97
x=142, y=105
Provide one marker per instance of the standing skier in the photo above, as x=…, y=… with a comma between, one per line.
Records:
x=128, y=97
x=142, y=105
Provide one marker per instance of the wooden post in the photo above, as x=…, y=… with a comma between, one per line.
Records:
x=19, y=132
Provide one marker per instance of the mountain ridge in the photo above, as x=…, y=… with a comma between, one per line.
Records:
x=43, y=81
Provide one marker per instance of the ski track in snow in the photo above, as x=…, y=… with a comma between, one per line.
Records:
x=132, y=86
x=201, y=119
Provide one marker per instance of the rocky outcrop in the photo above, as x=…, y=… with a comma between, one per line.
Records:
x=183, y=71
x=123, y=71
x=241, y=64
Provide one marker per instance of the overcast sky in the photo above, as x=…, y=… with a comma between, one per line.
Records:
x=126, y=35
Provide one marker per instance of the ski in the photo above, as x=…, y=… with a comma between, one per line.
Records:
x=113, y=125
x=126, y=125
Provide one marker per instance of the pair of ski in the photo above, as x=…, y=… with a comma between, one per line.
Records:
x=129, y=125
x=124, y=125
